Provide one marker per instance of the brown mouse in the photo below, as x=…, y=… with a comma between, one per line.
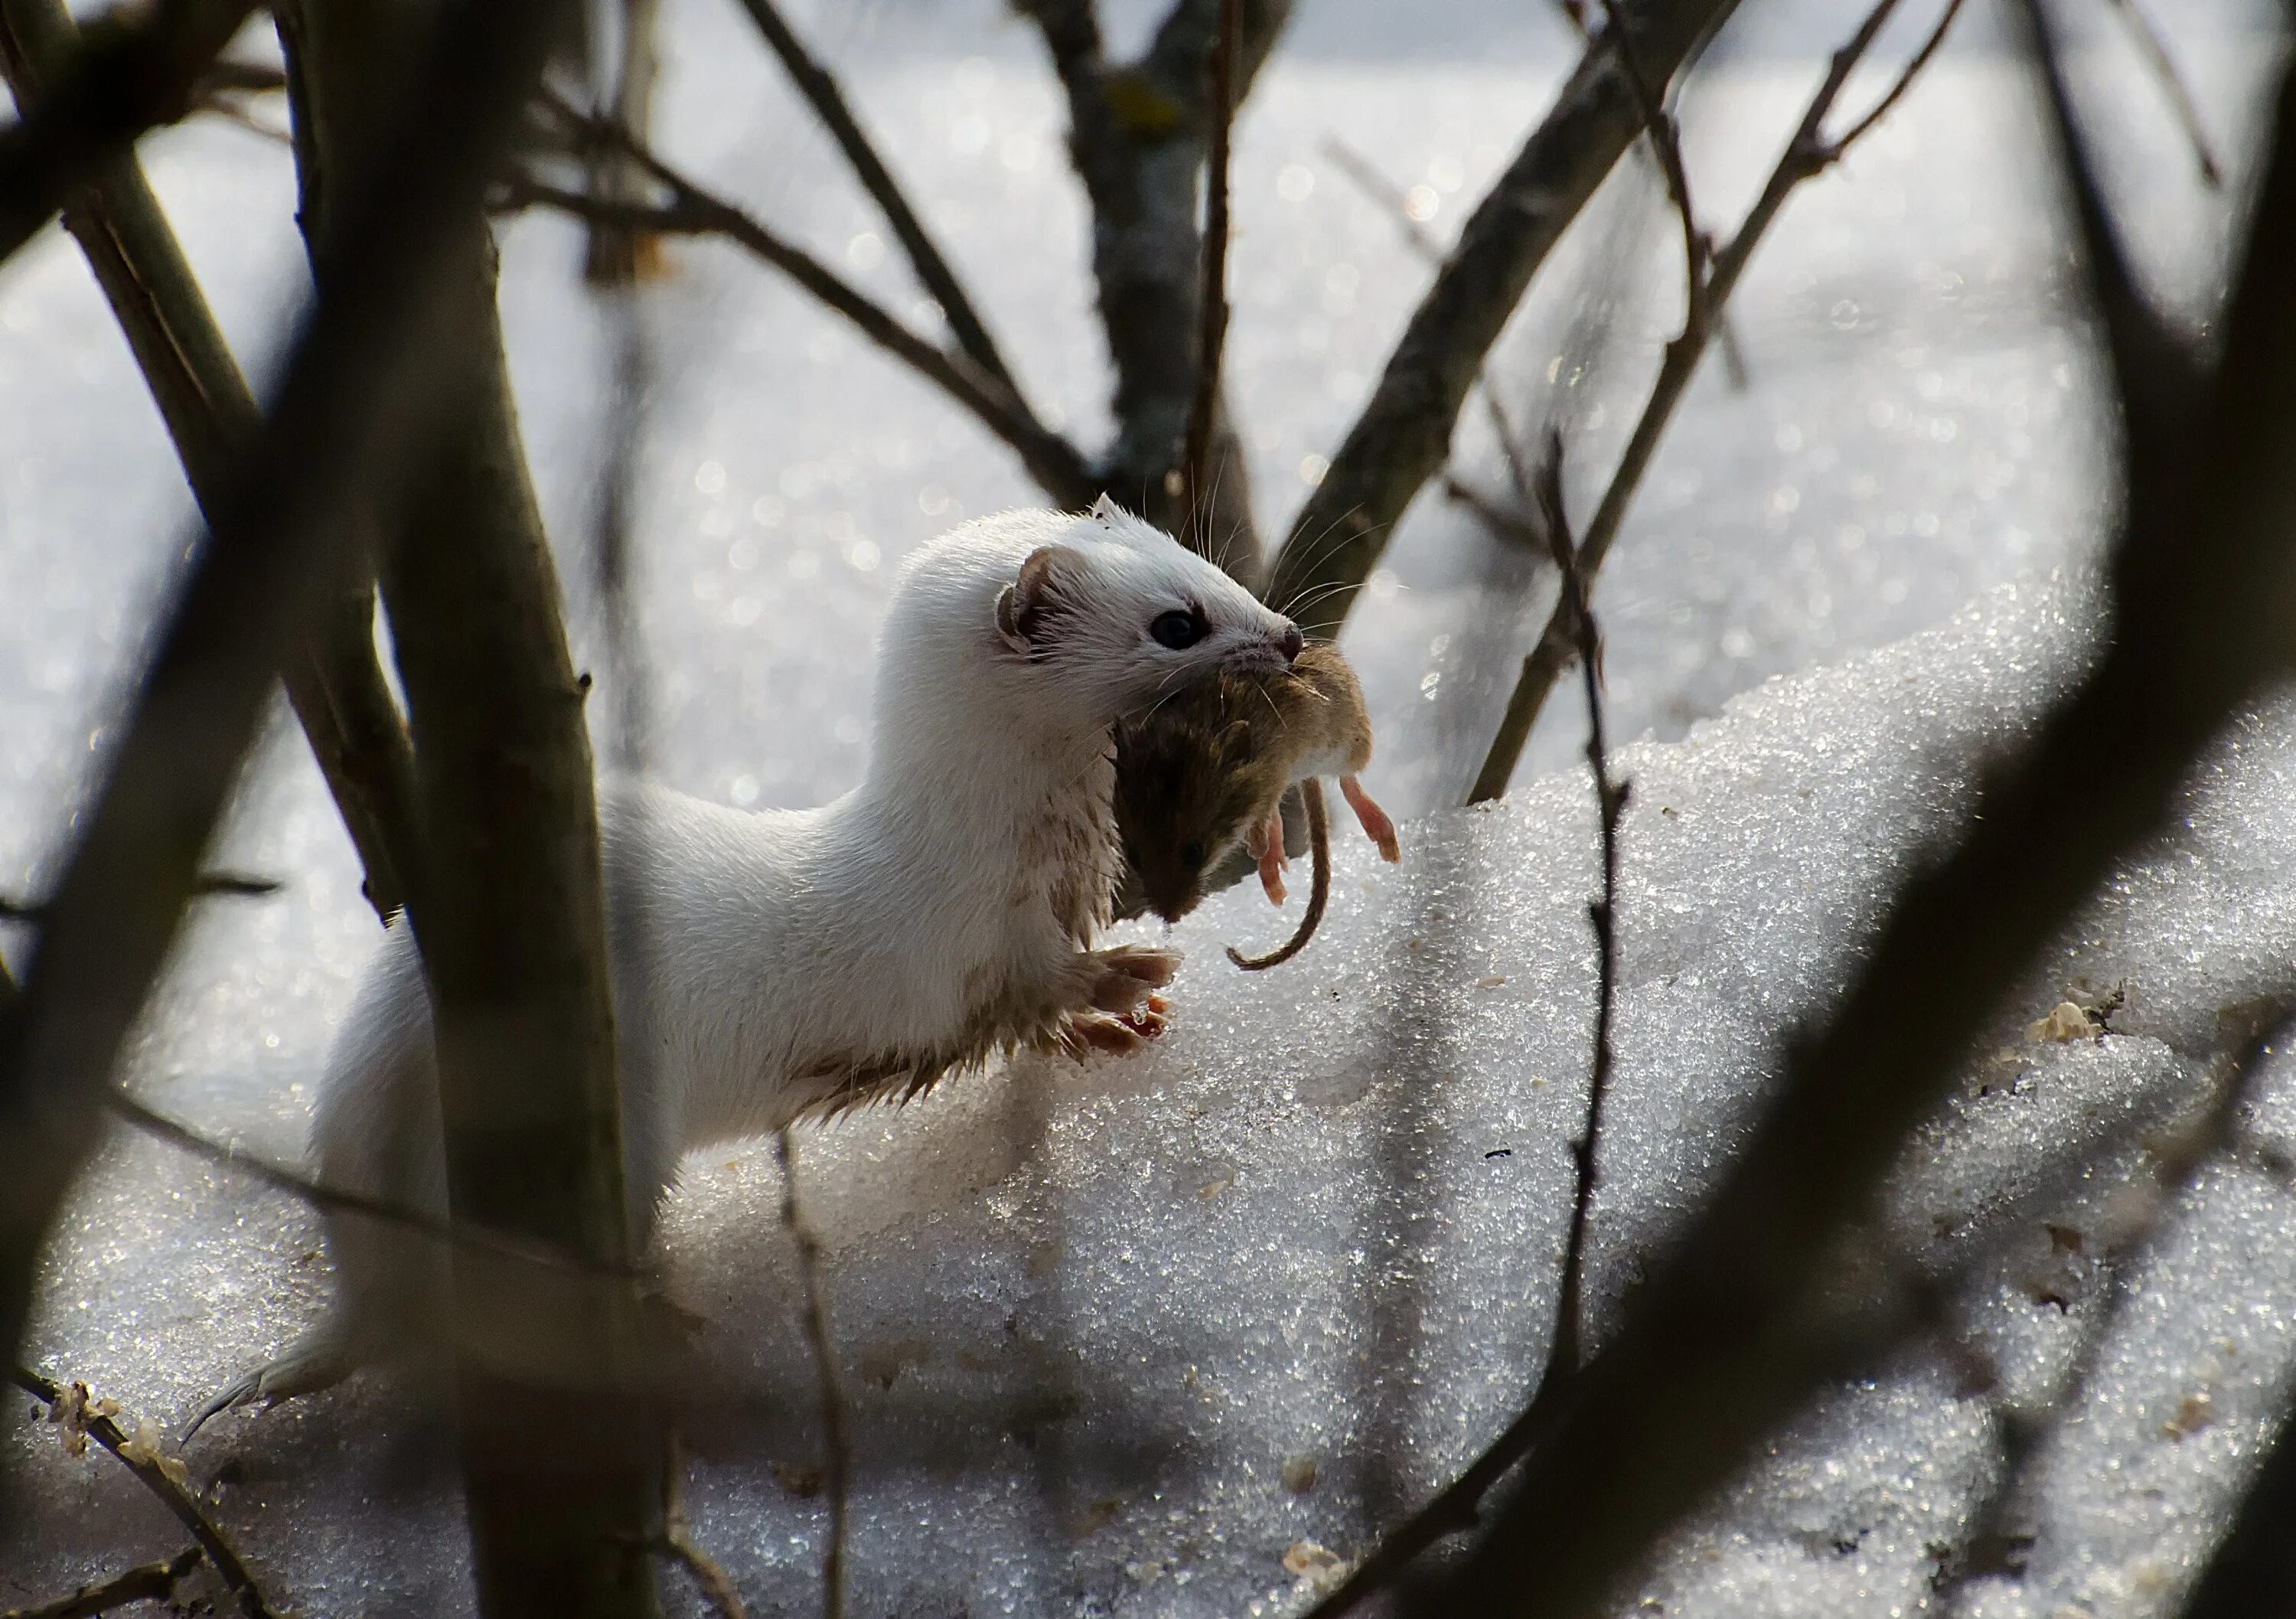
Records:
x=1206, y=769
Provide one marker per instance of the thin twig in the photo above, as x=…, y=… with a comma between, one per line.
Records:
x=147, y=1583
x=1666, y=145
x=1611, y=798
x=1366, y=176
x=837, y=1466
x=677, y=1542
x=2145, y=34
x=1059, y=468
x=210, y=884
x=333, y=1200
x=151, y=1471
x=1211, y=331
x=1808, y=153
x=820, y=88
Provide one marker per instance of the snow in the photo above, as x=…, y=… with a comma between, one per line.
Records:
x=1094, y=1323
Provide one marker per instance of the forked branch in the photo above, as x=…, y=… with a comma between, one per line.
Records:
x=1807, y=154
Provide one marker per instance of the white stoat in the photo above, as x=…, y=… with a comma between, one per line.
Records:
x=786, y=962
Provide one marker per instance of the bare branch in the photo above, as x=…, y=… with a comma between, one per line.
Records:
x=209, y=884
x=820, y=87
x=1211, y=302
x=1808, y=153
x=1055, y=464
x=157, y=1474
x=1403, y=432
x=1562, y=1354
x=148, y=1583
x=838, y=1464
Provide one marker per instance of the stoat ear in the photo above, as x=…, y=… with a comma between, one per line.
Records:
x=1026, y=609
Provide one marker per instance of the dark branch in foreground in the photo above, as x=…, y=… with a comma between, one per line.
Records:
x=1729, y=1336
x=820, y=88
x=1807, y=155
x=335, y=682
x=132, y=75
x=348, y=398
x=838, y=1461
x=147, y=1583
x=211, y=885
x=1403, y=433
x=68, y=1403
x=2128, y=1246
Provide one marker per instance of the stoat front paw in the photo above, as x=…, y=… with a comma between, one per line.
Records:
x=1126, y=976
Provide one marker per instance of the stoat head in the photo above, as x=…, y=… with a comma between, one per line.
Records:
x=1119, y=612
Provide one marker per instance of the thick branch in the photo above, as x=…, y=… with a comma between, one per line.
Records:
x=1405, y=431
x=334, y=681
x=1138, y=137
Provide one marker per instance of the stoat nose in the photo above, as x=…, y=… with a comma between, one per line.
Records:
x=1290, y=643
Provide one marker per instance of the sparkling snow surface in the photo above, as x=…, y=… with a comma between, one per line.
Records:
x=1095, y=1323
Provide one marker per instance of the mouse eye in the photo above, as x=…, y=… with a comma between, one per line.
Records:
x=1193, y=852
x=1178, y=630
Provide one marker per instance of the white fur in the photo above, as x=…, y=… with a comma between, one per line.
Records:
x=751, y=951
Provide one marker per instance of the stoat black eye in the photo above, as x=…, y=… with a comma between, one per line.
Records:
x=1178, y=630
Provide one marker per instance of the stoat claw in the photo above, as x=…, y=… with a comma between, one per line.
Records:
x=1376, y=824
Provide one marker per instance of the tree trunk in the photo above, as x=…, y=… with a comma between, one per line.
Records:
x=560, y=1466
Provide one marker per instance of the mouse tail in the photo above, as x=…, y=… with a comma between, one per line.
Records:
x=1319, y=846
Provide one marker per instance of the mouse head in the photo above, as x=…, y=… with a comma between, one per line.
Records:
x=1124, y=614
x=1193, y=774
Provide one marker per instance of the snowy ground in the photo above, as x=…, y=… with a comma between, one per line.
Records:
x=1086, y=1316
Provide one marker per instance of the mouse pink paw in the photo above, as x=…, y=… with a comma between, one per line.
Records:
x=1125, y=978
x=1271, y=861
x=1376, y=824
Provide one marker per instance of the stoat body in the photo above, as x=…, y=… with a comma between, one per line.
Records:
x=768, y=966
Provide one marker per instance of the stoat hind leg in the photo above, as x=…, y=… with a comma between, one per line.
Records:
x=1375, y=823
x=320, y=1358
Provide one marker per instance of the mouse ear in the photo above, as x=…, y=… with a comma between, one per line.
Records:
x=1029, y=608
x=1105, y=509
